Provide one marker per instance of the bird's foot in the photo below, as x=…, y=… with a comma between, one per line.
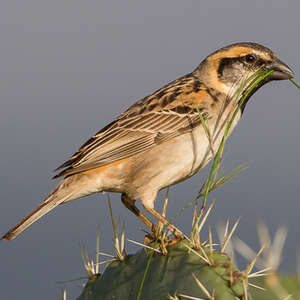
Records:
x=163, y=240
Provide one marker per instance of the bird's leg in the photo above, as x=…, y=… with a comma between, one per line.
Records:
x=130, y=204
x=177, y=233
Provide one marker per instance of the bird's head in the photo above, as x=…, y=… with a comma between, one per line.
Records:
x=228, y=67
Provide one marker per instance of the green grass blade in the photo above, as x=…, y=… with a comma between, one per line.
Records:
x=218, y=157
x=295, y=83
x=260, y=76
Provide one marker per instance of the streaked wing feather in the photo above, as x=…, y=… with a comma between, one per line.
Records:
x=141, y=127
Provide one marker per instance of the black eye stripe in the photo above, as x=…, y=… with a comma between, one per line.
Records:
x=228, y=62
x=224, y=63
x=246, y=60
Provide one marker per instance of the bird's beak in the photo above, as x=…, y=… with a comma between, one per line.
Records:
x=280, y=70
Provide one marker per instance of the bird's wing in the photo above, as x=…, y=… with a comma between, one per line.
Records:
x=169, y=112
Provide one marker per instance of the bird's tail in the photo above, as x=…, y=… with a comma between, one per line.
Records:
x=63, y=192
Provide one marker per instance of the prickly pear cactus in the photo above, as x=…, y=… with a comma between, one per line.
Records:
x=276, y=287
x=169, y=275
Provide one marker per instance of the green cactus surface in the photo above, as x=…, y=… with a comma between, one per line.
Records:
x=168, y=275
x=276, y=288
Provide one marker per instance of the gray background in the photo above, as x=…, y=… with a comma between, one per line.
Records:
x=67, y=68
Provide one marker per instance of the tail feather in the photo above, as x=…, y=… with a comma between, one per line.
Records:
x=58, y=196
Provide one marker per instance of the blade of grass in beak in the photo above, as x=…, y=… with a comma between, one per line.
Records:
x=261, y=76
x=294, y=82
x=216, y=162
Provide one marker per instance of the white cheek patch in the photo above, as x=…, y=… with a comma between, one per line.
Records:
x=231, y=90
x=226, y=88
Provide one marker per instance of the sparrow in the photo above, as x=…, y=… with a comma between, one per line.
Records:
x=161, y=139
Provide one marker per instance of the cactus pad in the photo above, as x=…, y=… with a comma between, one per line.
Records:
x=167, y=275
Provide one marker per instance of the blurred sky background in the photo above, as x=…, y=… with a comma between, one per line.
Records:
x=68, y=67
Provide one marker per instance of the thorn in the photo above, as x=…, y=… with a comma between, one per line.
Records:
x=226, y=229
x=257, y=286
x=210, y=246
x=97, y=249
x=188, y=297
x=228, y=237
x=195, y=252
x=64, y=294
x=260, y=273
x=144, y=246
x=251, y=265
x=196, y=228
x=104, y=254
x=245, y=283
x=202, y=287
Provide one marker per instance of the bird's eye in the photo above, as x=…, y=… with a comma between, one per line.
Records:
x=250, y=58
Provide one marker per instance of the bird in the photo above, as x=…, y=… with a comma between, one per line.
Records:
x=165, y=137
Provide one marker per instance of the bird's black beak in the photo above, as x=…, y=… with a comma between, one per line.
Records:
x=280, y=70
